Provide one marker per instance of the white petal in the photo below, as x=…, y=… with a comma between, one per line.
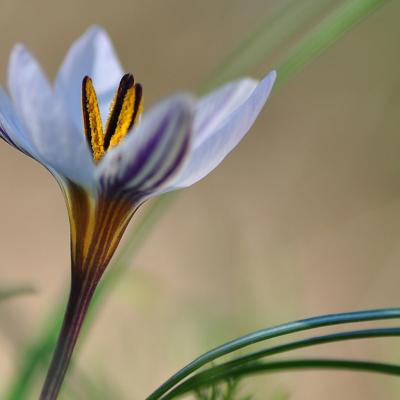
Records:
x=92, y=55
x=59, y=144
x=213, y=145
x=153, y=151
x=11, y=129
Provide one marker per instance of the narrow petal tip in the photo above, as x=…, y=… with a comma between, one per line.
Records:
x=269, y=80
x=95, y=30
x=272, y=75
x=18, y=47
x=19, y=53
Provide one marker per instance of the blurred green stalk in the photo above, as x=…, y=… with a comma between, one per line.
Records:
x=325, y=34
x=249, y=53
x=11, y=292
x=287, y=23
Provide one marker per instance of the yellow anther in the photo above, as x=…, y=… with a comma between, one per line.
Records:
x=138, y=108
x=128, y=116
x=124, y=119
x=92, y=119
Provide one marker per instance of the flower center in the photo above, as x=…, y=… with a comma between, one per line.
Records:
x=125, y=111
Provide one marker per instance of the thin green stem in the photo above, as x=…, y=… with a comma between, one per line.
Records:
x=268, y=333
x=195, y=382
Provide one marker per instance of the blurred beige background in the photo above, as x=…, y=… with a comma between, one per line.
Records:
x=301, y=219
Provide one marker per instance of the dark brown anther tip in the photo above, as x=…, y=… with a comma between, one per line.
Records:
x=127, y=81
x=85, y=80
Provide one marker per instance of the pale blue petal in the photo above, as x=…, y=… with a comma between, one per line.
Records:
x=153, y=152
x=92, y=55
x=214, y=145
x=11, y=128
x=59, y=144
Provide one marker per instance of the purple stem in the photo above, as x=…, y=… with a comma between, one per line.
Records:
x=79, y=299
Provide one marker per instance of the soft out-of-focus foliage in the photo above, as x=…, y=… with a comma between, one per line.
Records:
x=8, y=293
x=96, y=385
x=226, y=391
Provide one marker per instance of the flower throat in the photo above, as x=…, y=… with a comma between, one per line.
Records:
x=125, y=111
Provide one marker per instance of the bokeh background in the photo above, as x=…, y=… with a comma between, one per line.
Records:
x=301, y=219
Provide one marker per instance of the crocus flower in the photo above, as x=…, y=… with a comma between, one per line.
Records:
x=88, y=130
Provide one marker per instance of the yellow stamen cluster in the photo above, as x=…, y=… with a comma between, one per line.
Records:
x=125, y=111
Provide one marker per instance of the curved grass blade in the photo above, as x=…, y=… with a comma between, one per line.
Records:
x=195, y=383
x=208, y=374
x=36, y=354
x=269, y=333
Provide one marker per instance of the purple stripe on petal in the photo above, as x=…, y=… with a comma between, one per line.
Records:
x=137, y=196
x=140, y=159
x=174, y=166
x=159, y=163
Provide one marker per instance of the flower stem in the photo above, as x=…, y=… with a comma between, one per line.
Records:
x=78, y=302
